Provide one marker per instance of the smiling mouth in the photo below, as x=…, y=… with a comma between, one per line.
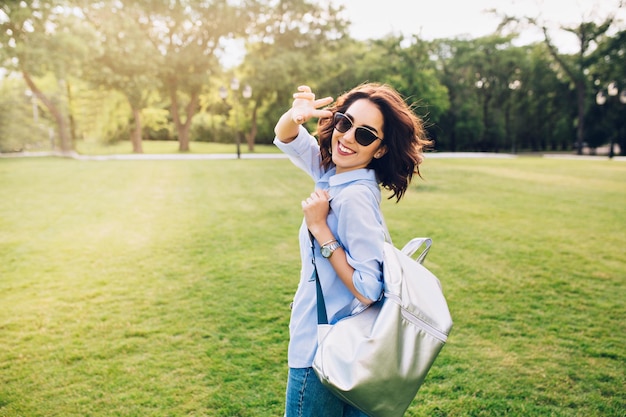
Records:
x=343, y=150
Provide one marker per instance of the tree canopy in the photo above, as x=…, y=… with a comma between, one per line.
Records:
x=75, y=60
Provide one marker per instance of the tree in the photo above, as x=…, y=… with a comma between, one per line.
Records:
x=589, y=33
x=125, y=59
x=480, y=75
x=39, y=37
x=188, y=35
x=609, y=67
x=285, y=49
x=548, y=102
x=17, y=132
x=165, y=46
x=411, y=70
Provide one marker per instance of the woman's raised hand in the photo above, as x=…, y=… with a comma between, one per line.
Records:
x=305, y=106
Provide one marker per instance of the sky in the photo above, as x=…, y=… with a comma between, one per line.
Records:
x=434, y=19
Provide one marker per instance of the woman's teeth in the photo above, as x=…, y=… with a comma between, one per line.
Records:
x=344, y=149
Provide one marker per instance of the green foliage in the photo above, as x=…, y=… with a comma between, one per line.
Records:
x=25, y=122
x=144, y=288
x=165, y=55
x=122, y=52
x=18, y=131
x=40, y=37
x=607, y=122
x=290, y=44
x=156, y=124
x=211, y=128
x=100, y=114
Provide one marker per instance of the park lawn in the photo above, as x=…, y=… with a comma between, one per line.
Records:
x=153, y=288
x=87, y=147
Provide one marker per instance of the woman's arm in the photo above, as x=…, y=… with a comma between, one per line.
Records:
x=286, y=129
x=316, y=209
x=304, y=107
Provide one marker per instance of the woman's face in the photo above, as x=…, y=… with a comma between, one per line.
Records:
x=347, y=153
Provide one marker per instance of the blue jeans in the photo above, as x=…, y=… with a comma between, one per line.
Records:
x=307, y=397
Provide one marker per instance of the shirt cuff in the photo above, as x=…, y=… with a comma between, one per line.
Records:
x=298, y=146
x=368, y=286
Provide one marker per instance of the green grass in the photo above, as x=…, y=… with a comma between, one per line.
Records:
x=162, y=147
x=161, y=288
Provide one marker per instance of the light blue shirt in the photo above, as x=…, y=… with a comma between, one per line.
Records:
x=355, y=220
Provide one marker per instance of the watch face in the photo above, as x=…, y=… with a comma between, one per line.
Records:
x=327, y=250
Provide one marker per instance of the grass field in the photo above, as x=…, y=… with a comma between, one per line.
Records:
x=161, y=288
x=167, y=147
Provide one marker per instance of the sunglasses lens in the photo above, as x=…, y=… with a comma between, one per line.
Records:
x=342, y=123
x=364, y=136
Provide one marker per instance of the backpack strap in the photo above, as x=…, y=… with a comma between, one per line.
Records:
x=322, y=316
x=414, y=244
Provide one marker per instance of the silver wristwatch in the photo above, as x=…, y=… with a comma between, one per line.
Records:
x=327, y=250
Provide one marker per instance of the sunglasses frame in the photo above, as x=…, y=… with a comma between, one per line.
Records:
x=338, y=117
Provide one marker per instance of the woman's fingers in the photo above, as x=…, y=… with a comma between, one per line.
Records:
x=322, y=102
x=317, y=196
x=304, y=96
x=306, y=106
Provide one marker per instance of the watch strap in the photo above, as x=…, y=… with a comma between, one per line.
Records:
x=333, y=246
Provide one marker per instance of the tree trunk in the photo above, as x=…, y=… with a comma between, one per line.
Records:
x=135, y=137
x=70, y=114
x=580, y=126
x=183, y=139
x=66, y=144
x=183, y=128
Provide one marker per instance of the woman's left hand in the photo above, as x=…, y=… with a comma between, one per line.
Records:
x=316, y=209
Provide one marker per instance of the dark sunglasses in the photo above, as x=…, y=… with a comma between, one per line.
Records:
x=363, y=135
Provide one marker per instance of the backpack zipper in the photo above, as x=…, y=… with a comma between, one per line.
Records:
x=417, y=321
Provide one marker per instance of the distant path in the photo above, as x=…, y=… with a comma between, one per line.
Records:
x=191, y=156
x=143, y=156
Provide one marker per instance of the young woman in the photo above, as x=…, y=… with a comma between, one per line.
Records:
x=367, y=139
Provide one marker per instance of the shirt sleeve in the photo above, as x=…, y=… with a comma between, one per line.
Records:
x=304, y=152
x=362, y=236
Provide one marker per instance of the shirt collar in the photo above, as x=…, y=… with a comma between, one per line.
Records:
x=350, y=176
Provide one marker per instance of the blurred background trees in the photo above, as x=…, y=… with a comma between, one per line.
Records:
x=118, y=70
